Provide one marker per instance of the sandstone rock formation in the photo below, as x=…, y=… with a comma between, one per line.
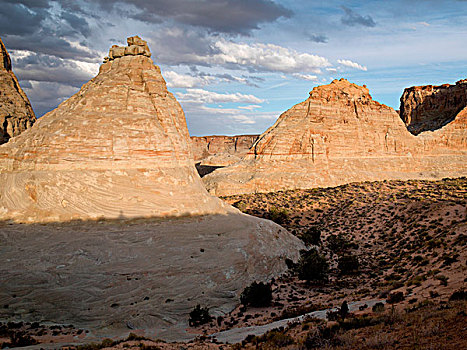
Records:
x=341, y=135
x=119, y=149
x=221, y=150
x=16, y=114
x=431, y=107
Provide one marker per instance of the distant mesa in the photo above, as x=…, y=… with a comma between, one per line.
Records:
x=213, y=152
x=133, y=225
x=208, y=146
x=340, y=135
x=428, y=108
x=16, y=114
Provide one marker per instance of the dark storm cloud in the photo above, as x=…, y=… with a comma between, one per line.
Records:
x=17, y=19
x=79, y=24
x=38, y=27
x=221, y=16
x=41, y=42
x=190, y=47
x=352, y=18
x=45, y=96
x=37, y=67
x=317, y=38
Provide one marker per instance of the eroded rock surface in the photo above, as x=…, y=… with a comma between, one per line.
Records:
x=221, y=150
x=119, y=150
x=341, y=135
x=431, y=107
x=16, y=114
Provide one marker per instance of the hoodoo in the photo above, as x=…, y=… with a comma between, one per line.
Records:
x=16, y=114
x=340, y=135
x=119, y=150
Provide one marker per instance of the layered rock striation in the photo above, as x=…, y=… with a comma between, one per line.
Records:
x=431, y=107
x=16, y=114
x=119, y=147
x=119, y=151
x=221, y=150
x=340, y=135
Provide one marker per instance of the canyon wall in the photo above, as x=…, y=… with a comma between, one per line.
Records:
x=221, y=150
x=431, y=107
x=340, y=135
x=16, y=114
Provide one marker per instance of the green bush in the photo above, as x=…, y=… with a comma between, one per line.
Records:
x=348, y=264
x=338, y=243
x=458, y=295
x=198, y=316
x=312, y=236
x=395, y=297
x=312, y=267
x=378, y=307
x=278, y=215
x=257, y=295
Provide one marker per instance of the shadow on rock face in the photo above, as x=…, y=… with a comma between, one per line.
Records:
x=113, y=276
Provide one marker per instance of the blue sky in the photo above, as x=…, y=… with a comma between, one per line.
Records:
x=236, y=65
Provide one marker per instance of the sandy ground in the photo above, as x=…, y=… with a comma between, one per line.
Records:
x=408, y=236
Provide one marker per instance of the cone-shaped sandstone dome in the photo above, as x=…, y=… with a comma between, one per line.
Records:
x=119, y=147
x=336, y=136
x=16, y=114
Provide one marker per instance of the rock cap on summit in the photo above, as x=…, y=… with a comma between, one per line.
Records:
x=136, y=46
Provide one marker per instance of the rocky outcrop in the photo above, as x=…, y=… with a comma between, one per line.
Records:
x=431, y=107
x=119, y=151
x=221, y=150
x=16, y=114
x=341, y=135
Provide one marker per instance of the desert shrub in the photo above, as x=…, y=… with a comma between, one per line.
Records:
x=312, y=236
x=257, y=295
x=458, y=295
x=378, y=307
x=339, y=314
x=443, y=280
x=278, y=339
x=199, y=315
x=416, y=281
x=290, y=264
x=360, y=322
x=133, y=336
x=348, y=263
x=395, y=297
x=312, y=266
x=344, y=310
x=19, y=339
x=322, y=337
x=338, y=243
x=278, y=215
x=332, y=315
x=240, y=205
x=299, y=310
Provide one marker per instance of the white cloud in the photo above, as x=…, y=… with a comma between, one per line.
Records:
x=177, y=80
x=204, y=96
x=305, y=76
x=351, y=64
x=265, y=57
x=249, y=107
x=332, y=70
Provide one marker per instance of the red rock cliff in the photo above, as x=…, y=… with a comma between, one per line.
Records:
x=340, y=135
x=205, y=146
x=431, y=107
x=16, y=114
